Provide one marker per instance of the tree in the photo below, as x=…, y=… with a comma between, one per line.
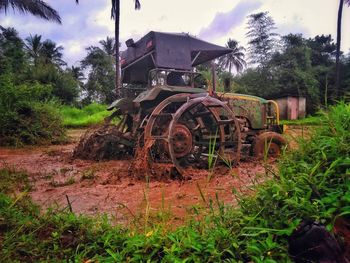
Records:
x=323, y=50
x=51, y=53
x=233, y=59
x=65, y=87
x=288, y=72
x=12, y=55
x=322, y=60
x=78, y=75
x=35, y=7
x=115, y=14
x=33, y=47
x=100, y=84
x=108, y=46
x=339, y=22
x=262, y=37
x=293, y=70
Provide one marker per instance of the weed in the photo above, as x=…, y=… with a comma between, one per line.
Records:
x=11, y=179
x=313, y=183
x=69, y=181
x=88, y=174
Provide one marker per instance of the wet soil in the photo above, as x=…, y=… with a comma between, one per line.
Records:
x=107, y=187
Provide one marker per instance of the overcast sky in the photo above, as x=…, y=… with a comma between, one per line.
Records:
x=212, y=20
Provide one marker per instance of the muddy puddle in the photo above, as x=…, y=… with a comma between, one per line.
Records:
x=106, y=187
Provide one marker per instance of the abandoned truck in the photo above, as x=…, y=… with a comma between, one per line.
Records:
x=167, y=113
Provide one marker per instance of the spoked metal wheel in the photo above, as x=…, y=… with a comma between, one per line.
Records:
x=185, y=128
x=217, y=134
x=157, y=129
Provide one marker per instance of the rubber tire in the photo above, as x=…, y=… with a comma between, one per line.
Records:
x=274, y=139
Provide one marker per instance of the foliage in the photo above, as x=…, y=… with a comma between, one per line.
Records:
x=338, y=51
x=66, y=87
x=100, y=86
x=308, y=121
x=89, y=115
x=12, y=55
x=312, y=183
x=35, y=7
x=36, y=61
x=301, y=67
x=50, y=53
x=235, y=59
x=261, y=37
x=25, y=116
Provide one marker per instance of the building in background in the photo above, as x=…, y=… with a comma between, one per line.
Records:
x=291, y=107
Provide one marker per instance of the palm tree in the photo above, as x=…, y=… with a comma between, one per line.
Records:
x=233, y=59
x=337, y=66
x=51, y=53
x=78, y=75
x=33, y=46
x=115, y=14
x=35, y=7
x=108, y=46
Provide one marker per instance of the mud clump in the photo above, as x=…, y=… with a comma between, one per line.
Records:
x=103, y=143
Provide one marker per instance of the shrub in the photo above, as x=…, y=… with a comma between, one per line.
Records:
x=25, y=115
x=89, y=115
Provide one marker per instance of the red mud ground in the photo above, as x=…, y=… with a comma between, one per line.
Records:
x=106, y=187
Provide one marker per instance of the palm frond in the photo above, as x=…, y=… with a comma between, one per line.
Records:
x=137, y=4
x=116, y=6
x=35, y=7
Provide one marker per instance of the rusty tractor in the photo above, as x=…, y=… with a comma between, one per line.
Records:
x=167, y=115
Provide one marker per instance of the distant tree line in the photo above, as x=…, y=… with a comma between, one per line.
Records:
x=289, y=65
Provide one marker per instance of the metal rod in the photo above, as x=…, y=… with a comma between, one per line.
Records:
x=195, y=58
x=213, y=72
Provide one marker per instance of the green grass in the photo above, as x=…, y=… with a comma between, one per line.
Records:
x=308, y=121
x=87, y=116
x=313, y=182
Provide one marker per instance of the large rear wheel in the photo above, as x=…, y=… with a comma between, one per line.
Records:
x=187, y=130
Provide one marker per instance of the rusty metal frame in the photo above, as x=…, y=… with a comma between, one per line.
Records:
x=208, y=102
x=189, y=102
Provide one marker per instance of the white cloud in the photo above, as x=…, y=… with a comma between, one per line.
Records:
x=87, y=23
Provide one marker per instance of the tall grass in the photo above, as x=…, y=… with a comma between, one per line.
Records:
x=310, y=121
x=313, y=183
x=79, y=118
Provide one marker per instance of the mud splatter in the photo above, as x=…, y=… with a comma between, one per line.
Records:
x=107, y=187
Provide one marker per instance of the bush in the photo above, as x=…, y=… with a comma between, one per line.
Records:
x=89, y=115
x=25, y=115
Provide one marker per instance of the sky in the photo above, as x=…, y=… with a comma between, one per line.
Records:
x=215, y=21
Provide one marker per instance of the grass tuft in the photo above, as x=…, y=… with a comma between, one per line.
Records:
x=313, y=183
x=87, y=116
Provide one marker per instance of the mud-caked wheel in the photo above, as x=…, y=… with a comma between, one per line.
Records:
x=269, y=144
x=187, y=129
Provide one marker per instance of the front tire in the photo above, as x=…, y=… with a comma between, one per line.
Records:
x=269, y=144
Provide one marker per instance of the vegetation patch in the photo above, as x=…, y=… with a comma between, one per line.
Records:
x=312, y=183
x=89, y=115
x=308, y=121
x=25, y=116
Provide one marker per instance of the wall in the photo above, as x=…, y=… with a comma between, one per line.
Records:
x=291, y=108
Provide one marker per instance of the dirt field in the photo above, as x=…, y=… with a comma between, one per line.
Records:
x=106, y=187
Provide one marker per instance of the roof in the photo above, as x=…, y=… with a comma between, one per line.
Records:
x=178, y=51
